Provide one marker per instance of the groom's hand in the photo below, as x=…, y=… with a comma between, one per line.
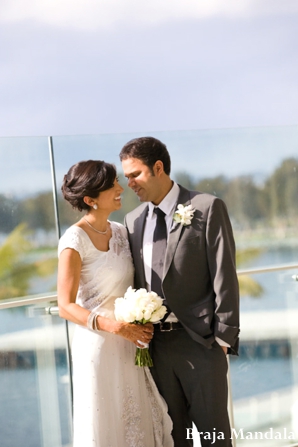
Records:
x=225, y=349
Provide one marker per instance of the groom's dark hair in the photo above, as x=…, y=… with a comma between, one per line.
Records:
x=148, y=150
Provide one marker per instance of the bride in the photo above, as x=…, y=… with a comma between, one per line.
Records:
x=116, y=404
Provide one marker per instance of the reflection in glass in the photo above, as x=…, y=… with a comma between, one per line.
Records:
x=28, y=240
x=254, y=170
x=265, y=375
x=34, y=381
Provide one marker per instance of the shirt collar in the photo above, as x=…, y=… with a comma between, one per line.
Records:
x=169, y=202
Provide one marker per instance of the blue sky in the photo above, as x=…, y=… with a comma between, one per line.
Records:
x=75, y=67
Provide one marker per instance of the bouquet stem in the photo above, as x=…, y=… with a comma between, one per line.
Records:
x=143, y=358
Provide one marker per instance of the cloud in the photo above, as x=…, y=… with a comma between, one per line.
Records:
x=94, y=14
x=178, y=75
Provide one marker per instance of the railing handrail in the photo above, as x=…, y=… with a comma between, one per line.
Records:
x=38, y=299
x=267, y=269
x=26, y=301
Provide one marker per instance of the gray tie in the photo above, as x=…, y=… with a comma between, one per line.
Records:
x=158, y=251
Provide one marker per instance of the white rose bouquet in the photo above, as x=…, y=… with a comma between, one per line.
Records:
x=140, y=307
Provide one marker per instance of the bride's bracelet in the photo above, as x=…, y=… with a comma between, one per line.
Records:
x=91, y=321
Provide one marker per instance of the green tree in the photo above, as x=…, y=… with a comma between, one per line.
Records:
x=9, y=213
x=217, y=186
x=16, y=271
x=247, y=285
x=185, y=179
x=245, y=201
x=38, y=211
x=282, y=190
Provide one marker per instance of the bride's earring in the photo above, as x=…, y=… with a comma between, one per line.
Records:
x=95, y=206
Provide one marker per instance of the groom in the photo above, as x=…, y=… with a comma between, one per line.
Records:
x=186, y=255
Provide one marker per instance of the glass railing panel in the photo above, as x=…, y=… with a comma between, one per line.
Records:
x=35, y=408
x=255, y=171
x=265, y=375
x=28, y=239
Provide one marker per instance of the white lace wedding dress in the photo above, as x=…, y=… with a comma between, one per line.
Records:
x=116, y=404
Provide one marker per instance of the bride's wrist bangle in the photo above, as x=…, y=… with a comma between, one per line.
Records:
x=91, y=321
x=96, y=325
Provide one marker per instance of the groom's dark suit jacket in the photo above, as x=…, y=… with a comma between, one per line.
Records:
x=199, y=277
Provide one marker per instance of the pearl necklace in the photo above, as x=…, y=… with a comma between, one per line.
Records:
x=97, y=231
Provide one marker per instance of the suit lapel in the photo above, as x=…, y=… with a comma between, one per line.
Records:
x=176, y=230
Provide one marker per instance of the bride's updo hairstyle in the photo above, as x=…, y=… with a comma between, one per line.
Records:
x=87, y=178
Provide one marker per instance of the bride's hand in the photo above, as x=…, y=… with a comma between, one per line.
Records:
x=136, y=333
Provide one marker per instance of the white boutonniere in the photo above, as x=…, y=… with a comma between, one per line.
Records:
x=184, y=214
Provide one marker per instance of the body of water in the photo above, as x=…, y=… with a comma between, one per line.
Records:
x=250, y=375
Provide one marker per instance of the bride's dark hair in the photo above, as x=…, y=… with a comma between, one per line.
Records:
x=87, y=178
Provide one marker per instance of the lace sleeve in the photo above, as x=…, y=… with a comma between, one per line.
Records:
x=121, y=230
x=71, y=239
x=121, y=244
